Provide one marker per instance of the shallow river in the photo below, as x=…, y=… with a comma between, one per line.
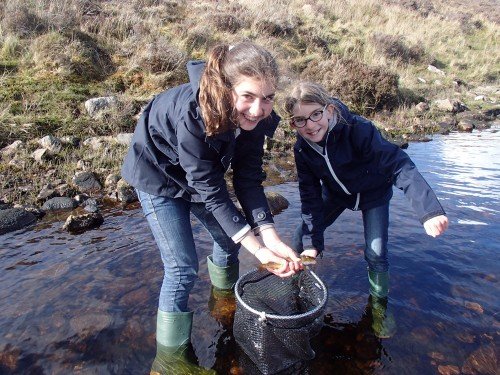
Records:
x=86, y=304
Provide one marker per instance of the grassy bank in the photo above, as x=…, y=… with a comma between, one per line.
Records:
x=374, y=55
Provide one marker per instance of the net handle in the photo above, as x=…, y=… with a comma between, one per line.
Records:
x=263, y=316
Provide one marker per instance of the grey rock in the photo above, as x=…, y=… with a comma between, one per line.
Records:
x=51, y=143
x=450, y=105
x=277, y=202
x=86, y=182
x=70, y=140
x=59, y=203
x=12, y=219
x=112, y=180
x=494, y=112
x=465, y=126
x=81, y=223
x=17, y=162
x=46, y=193
x=40, y=155
x=80, y=198
x=422, y=107
x=433, y=69
x=124, y=138
x=91, y=205
x=12, y=148
x=97, y=143
x=96, y=106
x=125, y=193
x=4, y=206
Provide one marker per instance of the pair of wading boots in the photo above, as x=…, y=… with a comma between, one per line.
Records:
x=174, y=352
x=384, y=324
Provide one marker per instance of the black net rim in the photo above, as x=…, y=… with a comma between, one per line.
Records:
x=263, y=315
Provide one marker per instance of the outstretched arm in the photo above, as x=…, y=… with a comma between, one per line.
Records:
x=436, y=225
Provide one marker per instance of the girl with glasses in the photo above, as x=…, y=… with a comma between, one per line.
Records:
x=344, y=163
x=184, y=142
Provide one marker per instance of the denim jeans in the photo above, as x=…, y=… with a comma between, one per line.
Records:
x=376, y=228
x=170, y=222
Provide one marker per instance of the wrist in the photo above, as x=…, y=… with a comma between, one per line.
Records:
x=254, y=252
x=261, y=228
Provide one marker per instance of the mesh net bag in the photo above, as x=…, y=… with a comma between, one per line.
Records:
x=276, y=318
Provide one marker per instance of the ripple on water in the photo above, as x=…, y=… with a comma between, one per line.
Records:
x=88, y=303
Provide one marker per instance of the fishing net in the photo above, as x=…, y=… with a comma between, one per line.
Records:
x=276, y=318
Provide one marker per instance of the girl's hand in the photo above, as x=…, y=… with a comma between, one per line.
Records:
x=312, y=253
x=285, y=252
x=273, y=263
x=274, y=243
x=436, y=225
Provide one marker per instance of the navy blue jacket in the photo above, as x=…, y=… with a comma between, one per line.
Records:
x=171, y=155
x=357, y=168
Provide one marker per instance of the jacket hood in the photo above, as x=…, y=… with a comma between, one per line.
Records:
x=195, y=69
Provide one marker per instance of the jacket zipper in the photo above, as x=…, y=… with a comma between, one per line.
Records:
x=330, y=168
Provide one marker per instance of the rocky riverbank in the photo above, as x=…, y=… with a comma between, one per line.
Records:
x=82, y=196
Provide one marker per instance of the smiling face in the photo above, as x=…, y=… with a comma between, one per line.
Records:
x=253, y=100
x=313, y=131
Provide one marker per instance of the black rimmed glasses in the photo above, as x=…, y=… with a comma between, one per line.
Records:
x=300, y=122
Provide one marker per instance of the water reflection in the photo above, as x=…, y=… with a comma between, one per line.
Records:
x=87, y=303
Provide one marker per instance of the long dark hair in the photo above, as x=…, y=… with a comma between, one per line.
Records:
x=227, y=66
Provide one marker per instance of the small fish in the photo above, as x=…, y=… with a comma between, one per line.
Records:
x=304, y=259
x=271, y=266
x=307, y=261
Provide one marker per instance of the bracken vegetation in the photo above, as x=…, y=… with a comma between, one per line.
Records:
x=56, y=54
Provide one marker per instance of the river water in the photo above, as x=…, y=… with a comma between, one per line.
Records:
x=86, y=304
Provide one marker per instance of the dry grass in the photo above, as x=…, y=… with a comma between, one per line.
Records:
x=74, y=55
x=55, y=54
x=365, y=89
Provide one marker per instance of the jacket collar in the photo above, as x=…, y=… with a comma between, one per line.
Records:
x=195, y=69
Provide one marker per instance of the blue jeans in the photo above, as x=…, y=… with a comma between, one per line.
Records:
x=376, y=228
x=170, y=222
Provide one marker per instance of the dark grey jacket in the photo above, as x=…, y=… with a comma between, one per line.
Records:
x=170, y=155
x=357, y=168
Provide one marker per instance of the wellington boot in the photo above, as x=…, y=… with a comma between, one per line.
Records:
x=379, y=283
x=179, y=360
x=384, y=323
x=174, y=352
x=223, y=277
x=173, y=329
x=222, y=306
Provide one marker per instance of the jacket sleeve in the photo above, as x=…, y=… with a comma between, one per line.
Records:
x=396, y=164
x=205, y=174
x=248, y=174
x=311, y=206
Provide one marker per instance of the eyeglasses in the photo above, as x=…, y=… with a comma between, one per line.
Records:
x=300, y=122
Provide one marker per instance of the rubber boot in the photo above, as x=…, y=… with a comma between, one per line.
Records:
x=174, y=352
x=223, y=277
x=384, y=323
x=222, y=306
